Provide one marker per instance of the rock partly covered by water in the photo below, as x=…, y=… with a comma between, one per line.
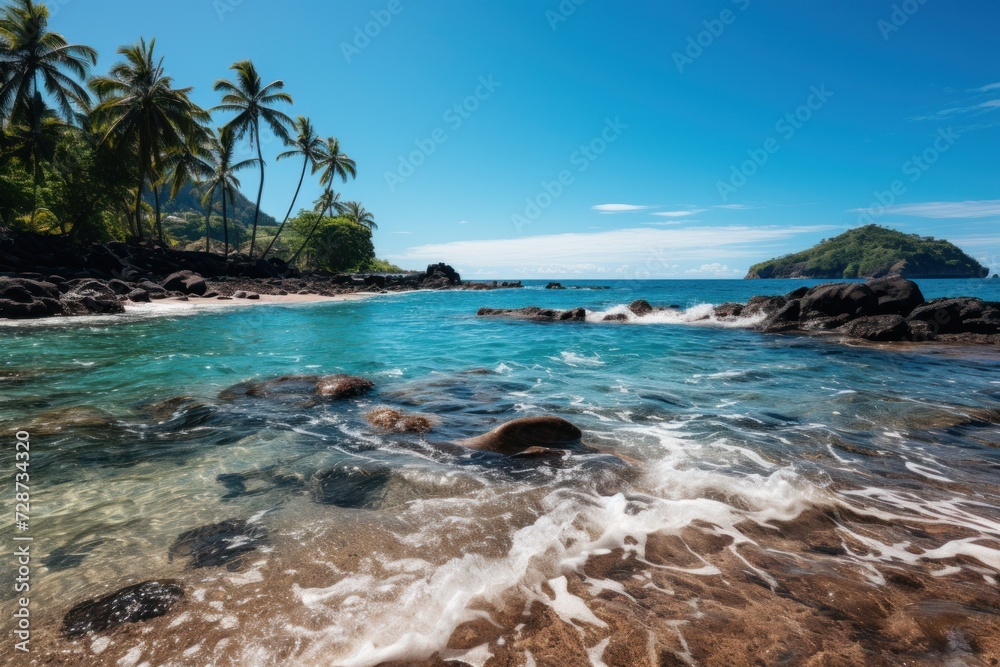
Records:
x=535, y=314
x=351, y=485
x=128, y=605
x=335, y=387
x=526, y=437
x=394, y=421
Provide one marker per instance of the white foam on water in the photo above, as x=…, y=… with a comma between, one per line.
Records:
x=573, y=359
x=701, y=315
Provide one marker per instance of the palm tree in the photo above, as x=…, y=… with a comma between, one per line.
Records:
x=144, y=114
x=357, y=214
x=329, y=201
x=307, y=144
x=251, y=101
x=224, y=170
x=32, y=60
x=334, y=163
x=190, y=165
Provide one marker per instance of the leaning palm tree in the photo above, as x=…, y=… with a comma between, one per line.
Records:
x=357, y=214
x=328, y=202
x=307, y=144
x=333, y=162
x=223, y=178
x=33, y=60
x=143, y=114
x=190, y=165
x=252, y=102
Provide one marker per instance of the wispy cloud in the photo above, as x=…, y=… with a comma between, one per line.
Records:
x=715, y=270
x=942, y=210
x=680, y=214
x=581, y=252
x=988, y=105
x=986, y=89
x=620, y=208
x=463, y=222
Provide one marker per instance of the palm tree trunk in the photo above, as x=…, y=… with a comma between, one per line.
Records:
x=260, y=192
x=208, y=218
x=159, y=224
x=225, y=222
x=309, y=236
x=305, y=164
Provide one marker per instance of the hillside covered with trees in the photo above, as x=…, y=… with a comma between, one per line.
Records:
x=873, y=252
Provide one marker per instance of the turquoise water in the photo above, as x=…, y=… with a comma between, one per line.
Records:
x=728, y=425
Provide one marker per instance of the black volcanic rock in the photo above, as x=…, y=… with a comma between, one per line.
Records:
x=535, y=314
x=128, y=605
x=896, y=295
x=881, y=328
x=834, y=299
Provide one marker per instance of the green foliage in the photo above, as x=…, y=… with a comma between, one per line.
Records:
x=338, y=245
x=873, y=251
x=380, y=266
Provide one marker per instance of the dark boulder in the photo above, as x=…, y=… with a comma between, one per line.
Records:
x=785, y=318
x=535, y=314
x=224, y=543
x=797, y=293
x=351, y=485
x=519, y=436
x=946, y=315
x=640, y=308
x=185, y=282
x=729, y=310
x=768, y=305
x=129, y=605
x=833, y=299
x=450, y=274
x=896, y=295
x=120, y=287
x=617, y=317
x=880, y=328
x=138, y=296
x=556, y=286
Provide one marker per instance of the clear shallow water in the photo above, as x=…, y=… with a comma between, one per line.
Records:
x=724, y=431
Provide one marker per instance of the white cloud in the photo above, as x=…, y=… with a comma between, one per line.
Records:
x=463, y=222
x=735, y=207
x=680, y=214
x=986, y=89
x=714, y=269
x=620, y=208
x=941, y=210
x=575, y=253
x=948, y=113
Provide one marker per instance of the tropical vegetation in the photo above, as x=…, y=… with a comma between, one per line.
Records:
x=128, y=154
x=873, y=251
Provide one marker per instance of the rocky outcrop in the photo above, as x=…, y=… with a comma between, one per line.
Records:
x=535, y=314
x=336, y=387
x=530, y=436
x=343, y=386
x=128, y=605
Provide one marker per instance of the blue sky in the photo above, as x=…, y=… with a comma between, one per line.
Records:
x=539, y=138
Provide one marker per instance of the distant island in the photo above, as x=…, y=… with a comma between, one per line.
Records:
x=873, y=252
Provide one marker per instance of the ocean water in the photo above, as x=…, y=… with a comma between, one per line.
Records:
x=801, y=496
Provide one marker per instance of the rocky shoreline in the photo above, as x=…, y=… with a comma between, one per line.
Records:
x=41, y=277
x=886, y=310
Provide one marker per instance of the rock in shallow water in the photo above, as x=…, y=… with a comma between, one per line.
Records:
x=129, y=605
x=352, y=486
x=331, y=386
x=528, y=436
x=394, y=421
x=535, y=314
x=219, y=544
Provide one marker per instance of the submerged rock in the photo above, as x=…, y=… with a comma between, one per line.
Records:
x=535, y=314
x=54, y=422
x=394, y=421
x=352, y=486
x=219, y=544
x=343, y=386
x=527, y=436
x=128, y=605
